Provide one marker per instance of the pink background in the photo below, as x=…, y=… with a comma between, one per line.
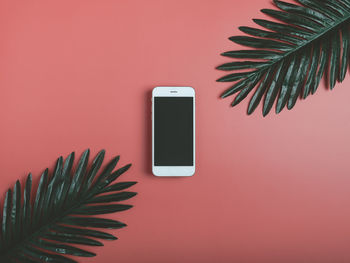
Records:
x=78, y=74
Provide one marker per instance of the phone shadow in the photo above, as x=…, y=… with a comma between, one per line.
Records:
x=148, y=133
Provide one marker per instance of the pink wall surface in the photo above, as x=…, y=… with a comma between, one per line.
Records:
x=77, y=74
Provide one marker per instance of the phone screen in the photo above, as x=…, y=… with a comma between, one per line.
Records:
x=173, y=131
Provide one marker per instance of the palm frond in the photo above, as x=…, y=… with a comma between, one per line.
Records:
x=61, y=212
x=290, y=57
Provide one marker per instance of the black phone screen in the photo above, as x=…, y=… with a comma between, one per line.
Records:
x=173, y=131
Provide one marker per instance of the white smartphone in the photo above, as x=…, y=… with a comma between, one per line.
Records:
x=173, y=131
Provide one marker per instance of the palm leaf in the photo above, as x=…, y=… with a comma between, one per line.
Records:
x=310, y=40
x=61, y=212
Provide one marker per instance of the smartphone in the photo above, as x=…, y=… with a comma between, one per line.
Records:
x=173, y=131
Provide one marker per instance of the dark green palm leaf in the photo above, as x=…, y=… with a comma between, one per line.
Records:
x=311, y=40
x=59, y=215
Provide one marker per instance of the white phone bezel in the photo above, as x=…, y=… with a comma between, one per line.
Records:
x=174, y=170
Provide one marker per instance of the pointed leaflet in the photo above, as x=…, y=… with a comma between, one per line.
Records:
x=268, y=34
x=235, y=76
x=82, y=232
x=93, y=222
x=96, y=164
x=345, y=57
x=106, y=172
x=118, y=186
x=322, y=66
x=300, y=79
x=62, y=192
x=316, y=6
x=242, y=65
x=293, y=19
x=102, y=209
x=237, y=86
x=58, y=184
x=252, y=54
x=283, y=28
x=307, y=12
x=335, y=58
x=260, y=91
x=27, y=209
x=6, y=216
x=40, y=193
x=274, y=87
x=315, y=54
x=101, y=184
x=261, y=43
x=244, y=92
x=78, y=176
x=116, y=197
x=16, y=211
x=71, y=238
x=51, y=188
x=287, y=85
